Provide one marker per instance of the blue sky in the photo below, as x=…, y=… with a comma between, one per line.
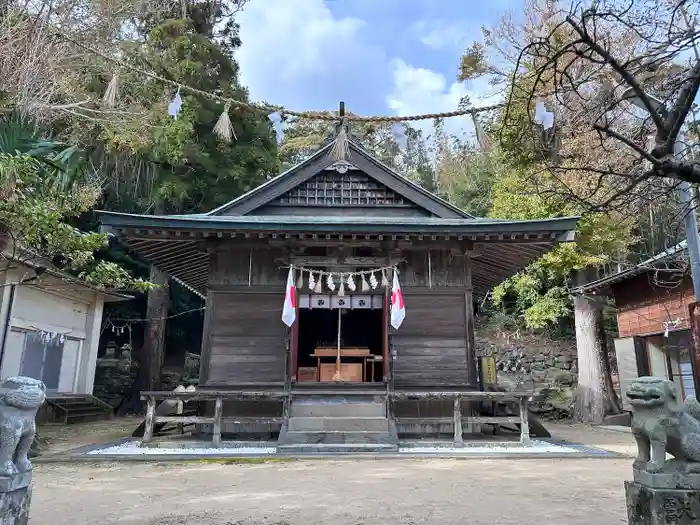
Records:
x=379, y=56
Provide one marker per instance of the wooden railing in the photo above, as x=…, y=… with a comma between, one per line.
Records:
x=521, y=398
x=215, y=420
x=218, y=397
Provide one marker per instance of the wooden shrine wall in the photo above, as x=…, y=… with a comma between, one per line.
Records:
x=431, y=345
x=247, y=267
x=432, y=269
x=244, y=340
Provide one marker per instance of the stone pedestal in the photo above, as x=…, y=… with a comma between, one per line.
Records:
x=15, y=499
x=666, y=498
x=20, y=398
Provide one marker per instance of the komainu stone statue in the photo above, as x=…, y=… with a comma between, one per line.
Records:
x=662, y=423
x=20, y=398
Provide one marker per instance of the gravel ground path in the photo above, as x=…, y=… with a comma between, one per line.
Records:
x=310, y=492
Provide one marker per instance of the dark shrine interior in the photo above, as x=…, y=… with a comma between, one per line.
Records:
x=358, y=328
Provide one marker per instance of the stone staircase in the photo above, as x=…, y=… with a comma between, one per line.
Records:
x=333, y=422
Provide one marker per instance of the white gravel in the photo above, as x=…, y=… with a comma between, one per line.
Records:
x=536, y=447
x=134, y=448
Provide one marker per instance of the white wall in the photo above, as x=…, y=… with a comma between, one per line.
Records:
x=657, y=357
x=626, y=366
x=62, y=308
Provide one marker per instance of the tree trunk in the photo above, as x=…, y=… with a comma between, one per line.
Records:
x=590, y=394
x=612, y=402
x=154, y=333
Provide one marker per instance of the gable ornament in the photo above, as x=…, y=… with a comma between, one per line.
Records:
x=342, y=166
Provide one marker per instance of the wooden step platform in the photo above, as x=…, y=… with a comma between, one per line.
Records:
x=76, y=408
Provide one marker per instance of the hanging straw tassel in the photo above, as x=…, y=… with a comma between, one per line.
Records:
x=365, y=284
x=481, y=137
x=300, y=280
x=385, y=281
x=341, y=290
x=224, y=128
x=341, y=146
x=373, y=281
x=110, y=96
x=319, y=284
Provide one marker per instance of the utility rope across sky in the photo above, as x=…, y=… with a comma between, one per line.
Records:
x=269, y=108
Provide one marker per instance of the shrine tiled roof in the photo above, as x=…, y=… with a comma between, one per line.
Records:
x=333, y=224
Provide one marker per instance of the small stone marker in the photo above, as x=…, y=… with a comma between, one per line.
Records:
x=20, y=398
x=664, y=492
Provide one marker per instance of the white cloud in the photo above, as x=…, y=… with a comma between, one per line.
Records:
x=300, y=55
x=438, y=34
x=294, y=51
x=422, y=91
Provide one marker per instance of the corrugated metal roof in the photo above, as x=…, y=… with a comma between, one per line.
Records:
x=321, y=223
x=643, y=267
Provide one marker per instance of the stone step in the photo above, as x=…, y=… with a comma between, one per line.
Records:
x=303, y=424
x=335, y=436
x=336, y=448
x=336, y=388
x=337, y=408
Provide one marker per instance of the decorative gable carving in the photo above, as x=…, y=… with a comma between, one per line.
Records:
x=341, y=184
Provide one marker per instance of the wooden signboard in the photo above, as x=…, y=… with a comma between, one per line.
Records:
x=488, y=370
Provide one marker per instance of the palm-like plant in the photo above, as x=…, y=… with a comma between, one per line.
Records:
x=61, y=165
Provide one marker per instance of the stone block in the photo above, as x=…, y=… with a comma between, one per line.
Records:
x=15, y=482
x=20, y=398
x=14, y=506
x=661, y=506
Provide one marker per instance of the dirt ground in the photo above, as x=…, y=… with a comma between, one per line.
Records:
x=57, y=438
x=383, y=491
x=387, y=492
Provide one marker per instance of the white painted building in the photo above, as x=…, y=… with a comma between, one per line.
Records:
x=50, y=329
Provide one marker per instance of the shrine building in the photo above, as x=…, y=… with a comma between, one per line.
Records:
x=355, y=221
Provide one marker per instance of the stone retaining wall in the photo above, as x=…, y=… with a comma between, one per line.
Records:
x=527, y=361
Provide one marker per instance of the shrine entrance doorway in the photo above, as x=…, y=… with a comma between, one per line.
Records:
x=340, y=339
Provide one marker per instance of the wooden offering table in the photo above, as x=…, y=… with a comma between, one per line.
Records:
x=351, y=372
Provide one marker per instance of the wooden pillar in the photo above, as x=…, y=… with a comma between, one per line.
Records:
x=150, y=420
x=524, y=421
x=472, y=374
x=205, y=352
x=218, y=410
x=458, y=439
x=694, y=321
x=385, y=336
x=393, y=254
x=294, y=343
x=153, y=347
